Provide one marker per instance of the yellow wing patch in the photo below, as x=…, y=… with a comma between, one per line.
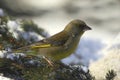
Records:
x=41, y=46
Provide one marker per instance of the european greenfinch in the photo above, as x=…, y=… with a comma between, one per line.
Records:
x=61, y=44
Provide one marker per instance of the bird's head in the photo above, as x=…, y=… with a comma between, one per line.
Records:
x=77, y=27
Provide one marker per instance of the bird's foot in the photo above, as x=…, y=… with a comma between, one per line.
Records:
x=49, y=61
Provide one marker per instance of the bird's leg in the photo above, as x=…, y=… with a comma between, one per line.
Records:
x=49, y=62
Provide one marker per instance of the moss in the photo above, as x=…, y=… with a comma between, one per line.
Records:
x=36, y=68
x=8, y=40
x=110, y=75
x=30, y=26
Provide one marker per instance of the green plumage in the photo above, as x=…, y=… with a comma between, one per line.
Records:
x=61, y=44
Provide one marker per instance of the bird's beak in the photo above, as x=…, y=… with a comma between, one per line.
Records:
x=87, y=28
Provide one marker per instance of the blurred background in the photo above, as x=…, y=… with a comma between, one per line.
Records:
x=53, y=15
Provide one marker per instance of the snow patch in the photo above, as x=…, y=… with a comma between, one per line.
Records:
x=110, y=61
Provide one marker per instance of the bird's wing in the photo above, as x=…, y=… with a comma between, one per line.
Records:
x=55, y=40
x=40, y=44
x=37, y=45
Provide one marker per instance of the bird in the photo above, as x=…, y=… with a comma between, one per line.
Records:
x=60, y=45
